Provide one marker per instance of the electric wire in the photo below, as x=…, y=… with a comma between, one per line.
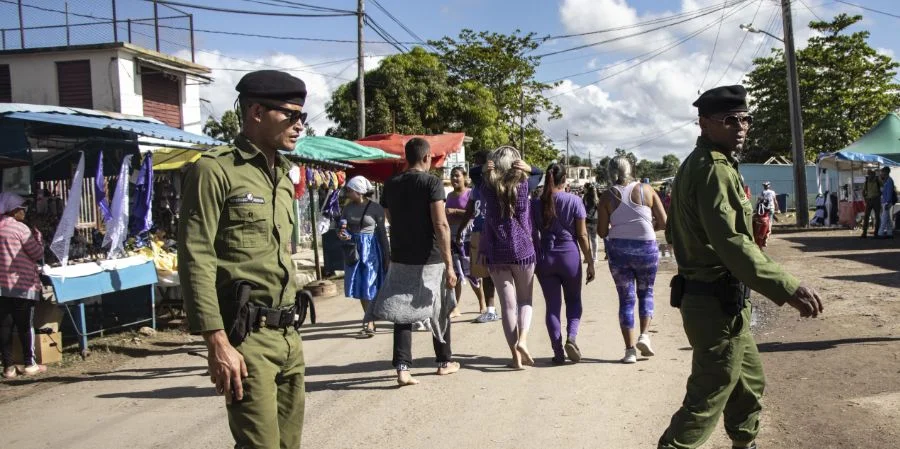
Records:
x=740, y=46
x=384, y=10
x=896, y=16
x=247, y=12
x=713, y=54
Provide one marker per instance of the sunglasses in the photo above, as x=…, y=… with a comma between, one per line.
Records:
x=291, y=114
x=735, y=121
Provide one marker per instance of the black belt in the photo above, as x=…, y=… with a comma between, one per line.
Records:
x=702, y=288
x=273, y=318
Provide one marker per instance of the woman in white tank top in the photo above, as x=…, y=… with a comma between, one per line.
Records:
x=630, y=213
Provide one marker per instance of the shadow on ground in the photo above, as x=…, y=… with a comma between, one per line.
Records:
x=824, y=344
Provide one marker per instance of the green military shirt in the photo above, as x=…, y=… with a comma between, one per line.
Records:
x=710, y=226
x=235, y=224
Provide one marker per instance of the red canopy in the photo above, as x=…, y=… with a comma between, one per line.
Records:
x=381, y=170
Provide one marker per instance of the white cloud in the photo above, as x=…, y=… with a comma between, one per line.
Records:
x=320, y=81
x=886, y=52
x=654, y=97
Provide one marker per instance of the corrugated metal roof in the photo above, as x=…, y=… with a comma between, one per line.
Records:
x=102, y=120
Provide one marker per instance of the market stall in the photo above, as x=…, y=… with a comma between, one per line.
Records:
x=64, y=160
x=842, y=174
x=442, y=145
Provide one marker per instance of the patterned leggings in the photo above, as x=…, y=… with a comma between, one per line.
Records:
x=633, y=265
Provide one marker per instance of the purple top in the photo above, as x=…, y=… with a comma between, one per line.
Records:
x=507, y=240
x=561, y=234
x=455, y=201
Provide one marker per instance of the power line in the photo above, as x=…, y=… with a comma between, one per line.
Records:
x=661, y=135
x=657, y=53
x=320, y=64
x=255, y=13
x=384, y=34
x=740, y=46
x=398, y=22
x=269, y=36
x=295, y=5
x=772, y=24
x=713, y=54
x=896, y=16
x=811, y=11
x=634, y=25
x=615, y=39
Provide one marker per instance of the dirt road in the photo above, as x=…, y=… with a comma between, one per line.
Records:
x=833, y=381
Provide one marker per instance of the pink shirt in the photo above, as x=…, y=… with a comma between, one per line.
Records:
x=20, y=250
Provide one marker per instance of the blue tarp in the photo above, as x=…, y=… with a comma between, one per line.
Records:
x=144, y=128
x=852, y=156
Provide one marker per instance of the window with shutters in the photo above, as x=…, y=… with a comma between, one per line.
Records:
x=162, y=97
x=73, y=80
x=5, y=85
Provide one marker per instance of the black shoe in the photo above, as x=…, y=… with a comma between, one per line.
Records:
x=558, y=360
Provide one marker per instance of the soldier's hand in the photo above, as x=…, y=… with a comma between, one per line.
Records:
x=226, y=366
x=807, y=301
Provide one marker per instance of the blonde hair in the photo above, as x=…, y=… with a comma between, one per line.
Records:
x=504, y=179
x=619, y=170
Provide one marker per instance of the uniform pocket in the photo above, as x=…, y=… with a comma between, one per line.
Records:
x=249, y=226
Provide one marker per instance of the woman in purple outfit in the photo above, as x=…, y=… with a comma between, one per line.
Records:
x=558, y=229
x=630, y=215
x=507, y=248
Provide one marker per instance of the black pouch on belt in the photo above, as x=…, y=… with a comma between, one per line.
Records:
x=242, y=324
x=733, y=295
x=304, y=306
x=677, y=286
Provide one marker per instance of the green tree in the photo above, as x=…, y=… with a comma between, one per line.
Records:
x=411, y=94
x=574, y=160
x=846, y=87
x=225, y=129
x=600, y=170
x=501, y=63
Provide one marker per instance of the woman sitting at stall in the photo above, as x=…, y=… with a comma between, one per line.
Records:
x=20, y=287
x=366, y=247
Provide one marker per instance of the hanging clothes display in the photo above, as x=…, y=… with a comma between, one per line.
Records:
x=116, y=227
x=100, y=189
x=142, y=208
x=66, y=228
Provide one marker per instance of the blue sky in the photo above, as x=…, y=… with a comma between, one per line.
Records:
x=646, y=107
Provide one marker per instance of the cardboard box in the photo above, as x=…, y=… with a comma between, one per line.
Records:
x=47, y=315
x=47, y=349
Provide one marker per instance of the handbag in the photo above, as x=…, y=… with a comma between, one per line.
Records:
x=351, y=252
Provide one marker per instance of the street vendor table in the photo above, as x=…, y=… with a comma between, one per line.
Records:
x=75, y=283
x=847, y=212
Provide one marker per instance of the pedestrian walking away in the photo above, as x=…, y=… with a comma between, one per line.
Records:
x=888, y=200
x=591, y=204
x=475, y=214
x=235, y=264
x=507, y=247
x=718, y=264
x=21, y=248
x=461, y=230
x=872, y=190
x=630, y=213
x=366, y=246
x=420, y=282
x=558, y=230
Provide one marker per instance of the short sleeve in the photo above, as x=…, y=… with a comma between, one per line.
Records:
x=437, y=190
x=578, y=206
x=383, y=201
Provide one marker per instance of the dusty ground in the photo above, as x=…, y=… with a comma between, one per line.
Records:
x=833, y=381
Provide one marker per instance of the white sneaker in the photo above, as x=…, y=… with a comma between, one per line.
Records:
x=630, y=356
x=643, y=344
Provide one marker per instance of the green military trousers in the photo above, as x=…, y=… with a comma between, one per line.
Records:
x=726, y=376
x=271, y=414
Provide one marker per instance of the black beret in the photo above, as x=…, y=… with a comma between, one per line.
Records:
x=274, y=85
x=722, y=99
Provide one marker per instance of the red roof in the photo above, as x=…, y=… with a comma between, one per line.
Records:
x=382, y=169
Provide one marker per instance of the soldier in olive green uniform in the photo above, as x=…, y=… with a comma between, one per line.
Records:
x=235, y=228
x=710, y=227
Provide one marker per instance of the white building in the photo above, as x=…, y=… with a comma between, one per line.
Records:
x=578, y=177
x=116, y=77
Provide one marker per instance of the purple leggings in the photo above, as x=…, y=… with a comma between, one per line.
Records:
x=633, y=265
x=559, y=273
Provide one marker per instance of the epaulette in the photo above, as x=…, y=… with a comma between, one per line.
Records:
x=218, y=151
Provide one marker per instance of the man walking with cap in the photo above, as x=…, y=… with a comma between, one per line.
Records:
x=718, y=264
x=235, y=264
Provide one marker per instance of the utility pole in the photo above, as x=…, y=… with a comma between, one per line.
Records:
x=790, y=58
x=156, y=23
x=567, y=146
x=21, y=26
x=361, y=73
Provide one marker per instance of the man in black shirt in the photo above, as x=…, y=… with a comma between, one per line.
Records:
x=421, y=278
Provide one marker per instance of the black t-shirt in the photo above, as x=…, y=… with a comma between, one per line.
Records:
x=408, y=198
